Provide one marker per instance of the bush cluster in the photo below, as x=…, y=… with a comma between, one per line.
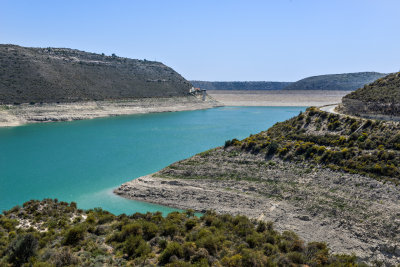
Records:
x=179, y=239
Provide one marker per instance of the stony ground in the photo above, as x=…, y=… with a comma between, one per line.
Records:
x=353, y=213
x=14, y=115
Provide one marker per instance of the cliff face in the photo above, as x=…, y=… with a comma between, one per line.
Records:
x=380, y=98
x=68, y=75
x=346, y=81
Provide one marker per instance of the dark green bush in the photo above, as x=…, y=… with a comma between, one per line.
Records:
x=22, y=248
x=172, y=249
x=74, y=235
x=135, y=247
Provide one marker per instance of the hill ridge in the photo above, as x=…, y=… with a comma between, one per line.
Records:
x=51, y=75
x=344, y=81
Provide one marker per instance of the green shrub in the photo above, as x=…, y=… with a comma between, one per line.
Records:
x=22, y=248
x=190, y=224
x=172, y=249
x=136, y=247
x=272, y=148
x=150, y=230
x=74, y=235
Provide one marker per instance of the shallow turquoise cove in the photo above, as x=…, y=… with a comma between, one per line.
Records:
x=83, y=161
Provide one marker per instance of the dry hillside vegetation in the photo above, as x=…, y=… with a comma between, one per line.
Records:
x=52, y=233
x=381, y=97
x=49, y=75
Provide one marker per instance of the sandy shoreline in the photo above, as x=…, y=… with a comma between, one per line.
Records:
x=277, y=97
x=12, y=115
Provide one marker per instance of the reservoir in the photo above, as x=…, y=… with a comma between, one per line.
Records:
x=83, y=161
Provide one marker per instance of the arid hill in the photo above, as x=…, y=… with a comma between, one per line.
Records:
x=52, y=75
x=381, y=97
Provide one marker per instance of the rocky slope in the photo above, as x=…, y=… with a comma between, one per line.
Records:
x=380, y=98
x=240, y=85
x=345, y=81
x=52, y=75
x=328, y=176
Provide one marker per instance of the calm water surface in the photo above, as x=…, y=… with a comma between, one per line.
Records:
x=83, y=161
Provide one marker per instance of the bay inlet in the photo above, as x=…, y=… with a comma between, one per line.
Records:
x=83, y=161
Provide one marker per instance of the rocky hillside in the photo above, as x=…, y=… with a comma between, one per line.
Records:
x=52, y=233
x=381, y=97
x=328, y=176
x=67, y=75
x=240, y=85
x=346, y=81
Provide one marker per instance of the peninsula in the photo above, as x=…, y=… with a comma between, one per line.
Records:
x=330, y=177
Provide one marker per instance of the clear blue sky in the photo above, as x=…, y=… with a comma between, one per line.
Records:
x=278, y=40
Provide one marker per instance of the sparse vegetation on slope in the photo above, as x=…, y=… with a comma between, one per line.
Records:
x=345, y=81
x=381, y=97
x=52, y=233
x=339, y=142
x=34, y=75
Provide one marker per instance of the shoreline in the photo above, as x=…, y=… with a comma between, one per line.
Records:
x=16, y=115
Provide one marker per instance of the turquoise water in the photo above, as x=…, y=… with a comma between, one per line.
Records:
x=83, y=161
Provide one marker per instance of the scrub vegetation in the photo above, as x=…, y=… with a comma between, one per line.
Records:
x=355, y=145
x=52, y=233
x=381, y=97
